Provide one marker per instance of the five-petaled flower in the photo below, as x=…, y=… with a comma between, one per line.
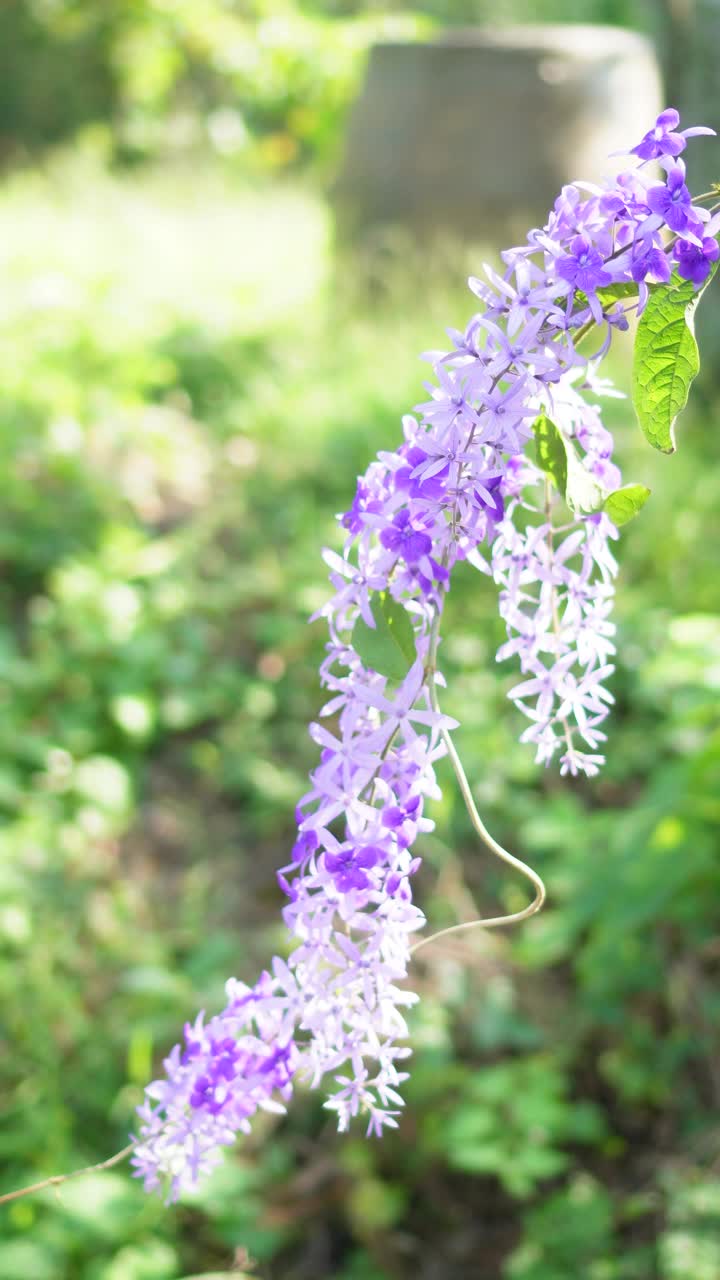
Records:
x=664, y=139
x=673, y=202
x=694, y=261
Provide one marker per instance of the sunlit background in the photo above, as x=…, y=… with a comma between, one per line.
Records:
x=210, y=319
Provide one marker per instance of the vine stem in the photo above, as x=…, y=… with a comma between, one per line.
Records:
x=59, y=1178
x=494, y=922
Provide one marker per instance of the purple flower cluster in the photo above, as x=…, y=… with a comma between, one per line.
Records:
x=556, y=594
x=242, y=1060
x=462, y=478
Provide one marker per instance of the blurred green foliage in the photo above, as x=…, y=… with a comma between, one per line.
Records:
x=190, y=383
x=267, y=82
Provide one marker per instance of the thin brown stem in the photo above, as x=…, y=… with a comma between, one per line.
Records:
x=59, y=1178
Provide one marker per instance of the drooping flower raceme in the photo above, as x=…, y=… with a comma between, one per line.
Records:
x=463, y=484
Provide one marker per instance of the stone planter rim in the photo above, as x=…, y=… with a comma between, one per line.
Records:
x=573, y=38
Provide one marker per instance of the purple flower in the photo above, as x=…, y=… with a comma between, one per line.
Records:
x=663, y=139
x=348, y=866
x=405, y=539
x=555, y=598
x=362, y=503
x=413, y=456
x=605, y=471
x=694, y=261
x=403, y=820
x=448, y=403
x=649, y=260
x=491, y=499
x=243, y=1059
x=210, y=1089
x=305, y=845
x=505, y=412
x=413, y=480
x=583, y=267
x=673, y=202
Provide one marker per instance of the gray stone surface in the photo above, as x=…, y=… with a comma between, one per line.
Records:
x=474, y=133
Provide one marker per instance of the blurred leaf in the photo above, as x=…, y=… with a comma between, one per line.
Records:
x=22, y=1259
x=149, y=1260
x=105, y=782
x=376, y=1205
x=622, y=504
x=510, y=1120
x=559, y=458
x=564, y=1234
x=389, y=649
x=103, y=1205
x=550, y=452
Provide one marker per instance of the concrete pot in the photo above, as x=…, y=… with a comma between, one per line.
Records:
x=474, y=133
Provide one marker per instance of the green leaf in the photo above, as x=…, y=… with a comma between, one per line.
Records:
x=389, y=648
x=608, y=293
x=559, y=459
x=623, y=504
x=665, y=360
x=550, y=451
